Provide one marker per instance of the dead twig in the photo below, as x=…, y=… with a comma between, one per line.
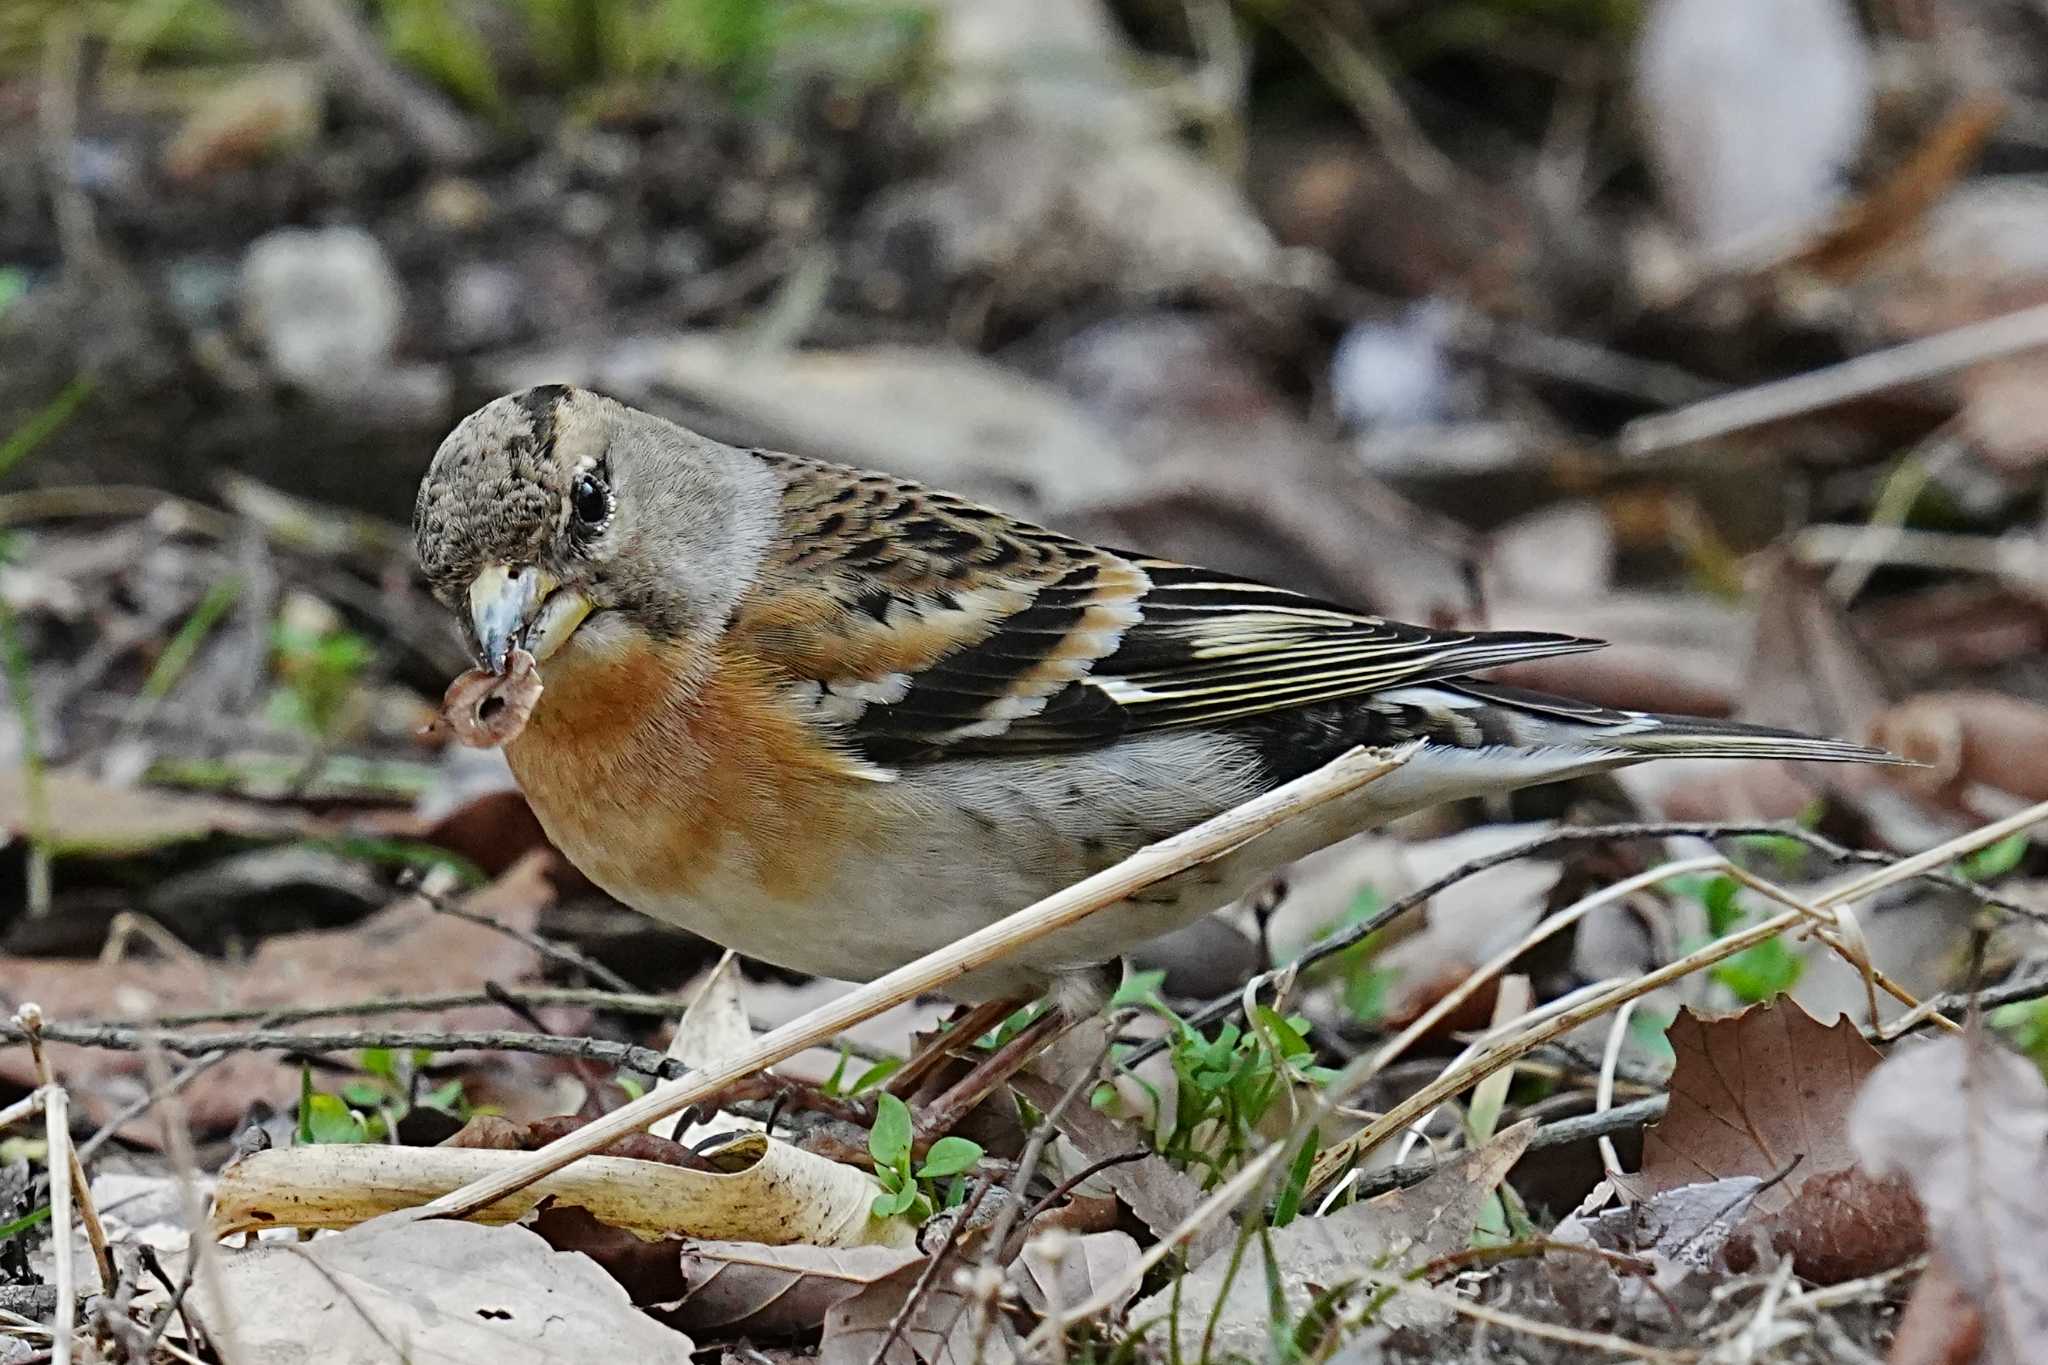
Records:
x=533, y=997
x=438, y=902
x=119, y=1038
x=1928, y=358
x=201, y=1250
x=1504, y=1046
x=29, y=1019
x=57, y=1126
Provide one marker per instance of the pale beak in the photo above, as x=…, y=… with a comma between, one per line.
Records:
x=527, y=608
x=502, y=603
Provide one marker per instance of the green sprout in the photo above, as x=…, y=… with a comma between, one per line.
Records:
x=906, y=1188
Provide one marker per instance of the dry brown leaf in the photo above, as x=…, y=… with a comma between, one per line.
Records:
x=749, y=1288
x=428, y=1293
x=939, y=1331
x=1159, y=1194
x=81, y=811
x=1753, y=1093
x=1966, y=1122
x=404, y=949
x=772, y=1191
x=1397, y=1230
x=645, y=1269
x=1766, y=1093
x=1057, y=1270
x=1844, y=1226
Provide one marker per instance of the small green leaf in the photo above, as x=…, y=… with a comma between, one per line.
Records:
x=331, y=1121
x=875, y=1075
x=1140, y=990
x=1368, y=992
x=379, y=1061
x=892, y=1202
x=949, y=1156
x=1289, y=1034
x=1289, y=1202
x=834, y=1081
x=889, y=1141
x=22, y=1224
x=13, y=286
x=1760, y=973
x=1991, y=863
x=1789, y=853
x=1646, y=1030
x=446, y=1098
x=1719, y=900
x=305, y=1134
x=363, y=1094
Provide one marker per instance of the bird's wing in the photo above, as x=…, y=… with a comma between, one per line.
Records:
x=913, y=620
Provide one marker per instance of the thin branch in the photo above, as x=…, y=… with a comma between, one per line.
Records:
x=153, y=1095
x=29, y=1019
x=57, y=1126
x=546, y=947
x=119, y=1038
x=1929, y=358
x=534, y=997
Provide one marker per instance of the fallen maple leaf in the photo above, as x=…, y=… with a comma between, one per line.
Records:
x=1766, y=1093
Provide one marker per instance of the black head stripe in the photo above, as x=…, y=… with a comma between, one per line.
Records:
x=540, y=404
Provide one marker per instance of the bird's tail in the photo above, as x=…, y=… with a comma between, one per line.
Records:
x=1694, y=737
x=1647, y=734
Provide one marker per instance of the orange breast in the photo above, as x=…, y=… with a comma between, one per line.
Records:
x=655, y=787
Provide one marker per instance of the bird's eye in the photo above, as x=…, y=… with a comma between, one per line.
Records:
x=589, y=501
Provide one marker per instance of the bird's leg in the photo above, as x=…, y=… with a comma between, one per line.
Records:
x=969, y=1025
x=938, y=1118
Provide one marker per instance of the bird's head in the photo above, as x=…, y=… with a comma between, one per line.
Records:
x=556, y=515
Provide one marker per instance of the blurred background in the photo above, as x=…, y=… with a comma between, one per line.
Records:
x=1456, y=310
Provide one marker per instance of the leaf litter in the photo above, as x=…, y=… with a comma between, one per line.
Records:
x=1904, y=599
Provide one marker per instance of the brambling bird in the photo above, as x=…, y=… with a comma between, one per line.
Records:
x=836, y=720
